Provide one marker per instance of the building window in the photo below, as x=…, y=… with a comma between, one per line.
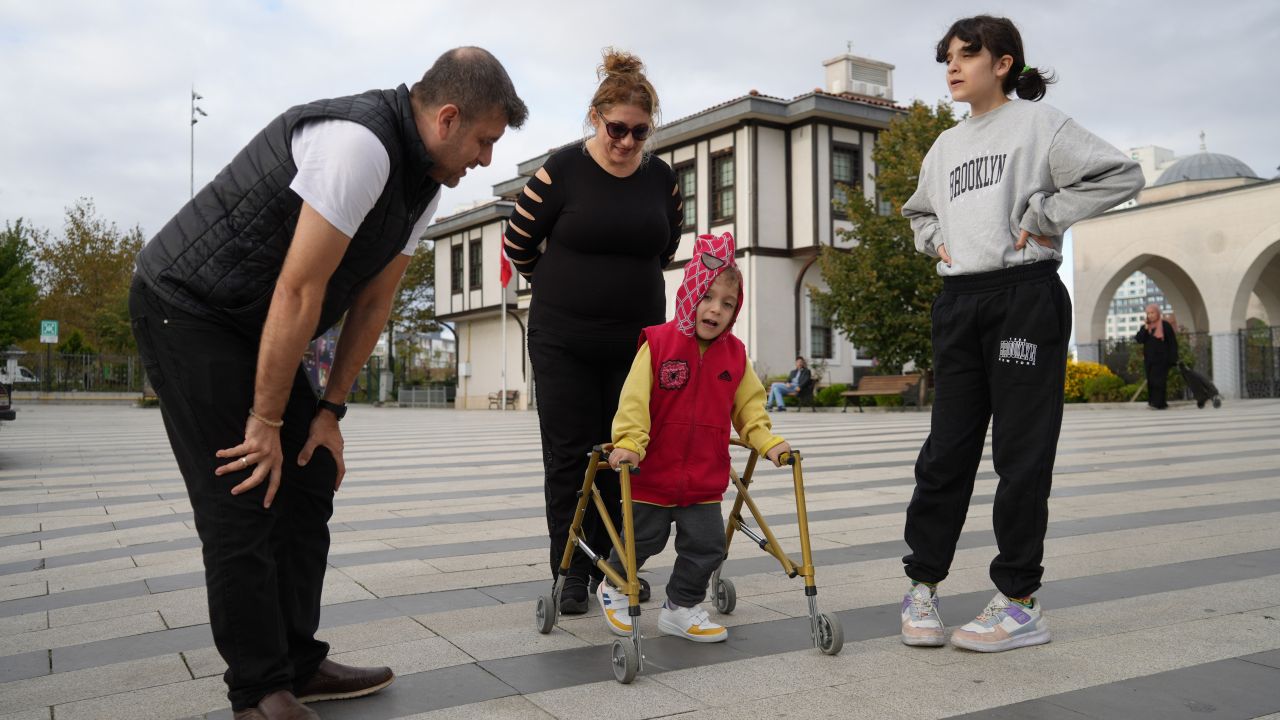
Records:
x=722, y=181
x=846, y=173
x=687, y=177
x=821, y=343
x=455, y=268
x=475, y=273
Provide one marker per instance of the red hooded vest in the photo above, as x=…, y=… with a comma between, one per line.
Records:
x=691, y=406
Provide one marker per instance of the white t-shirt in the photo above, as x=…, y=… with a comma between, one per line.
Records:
x=342, y=171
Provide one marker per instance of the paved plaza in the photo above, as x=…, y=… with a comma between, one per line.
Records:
x=1162, y=586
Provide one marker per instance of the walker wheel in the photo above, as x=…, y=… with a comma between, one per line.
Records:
x=726, y=596
x=1217, y=401
x=830, y=634
x=626, y=661
x=545, y=614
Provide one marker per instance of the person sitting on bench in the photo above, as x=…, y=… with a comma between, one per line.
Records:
x=796, y=380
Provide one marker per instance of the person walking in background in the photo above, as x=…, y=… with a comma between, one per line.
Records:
x=1159, y=343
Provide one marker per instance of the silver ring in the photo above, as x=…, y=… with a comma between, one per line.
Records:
x=244, y=461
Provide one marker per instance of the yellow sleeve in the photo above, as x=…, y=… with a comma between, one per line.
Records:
x=749, y=416
x=631, y=423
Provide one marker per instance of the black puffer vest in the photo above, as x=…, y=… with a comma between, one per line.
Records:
x=220, y=256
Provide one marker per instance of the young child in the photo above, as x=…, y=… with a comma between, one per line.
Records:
x=690, y=380
x=996, y=194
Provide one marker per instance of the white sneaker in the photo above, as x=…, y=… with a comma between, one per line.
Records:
x=1003, y=625
x=614, y=604
x=921, y=624
x=691, y=624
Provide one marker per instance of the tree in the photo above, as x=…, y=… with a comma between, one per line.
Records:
x=881, y=290
x=85, y=277
x=414, y=307
x=18, y=291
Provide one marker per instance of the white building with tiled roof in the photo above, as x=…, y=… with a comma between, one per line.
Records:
x=763, y=168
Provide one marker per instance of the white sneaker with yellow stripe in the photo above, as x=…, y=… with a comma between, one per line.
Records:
x=614, y=605
x=692, y=624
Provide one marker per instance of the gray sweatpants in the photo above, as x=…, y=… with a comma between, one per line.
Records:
x=699, y=546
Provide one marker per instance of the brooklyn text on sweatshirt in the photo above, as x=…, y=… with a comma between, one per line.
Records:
x=977, y=173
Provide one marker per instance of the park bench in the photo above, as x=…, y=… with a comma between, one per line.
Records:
x=496, y=399
x=873, y=385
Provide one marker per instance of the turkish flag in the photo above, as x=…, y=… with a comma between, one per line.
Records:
x=505, y=269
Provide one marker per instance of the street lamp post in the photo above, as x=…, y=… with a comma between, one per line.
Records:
x=195, y=109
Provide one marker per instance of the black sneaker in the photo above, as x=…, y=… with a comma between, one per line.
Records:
x=573, y=597
x=644, y=588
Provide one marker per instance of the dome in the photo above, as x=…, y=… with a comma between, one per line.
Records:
x=1204, y=166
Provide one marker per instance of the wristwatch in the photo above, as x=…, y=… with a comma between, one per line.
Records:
x=339, y=411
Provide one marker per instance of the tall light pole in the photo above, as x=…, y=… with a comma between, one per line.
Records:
x=195, y=109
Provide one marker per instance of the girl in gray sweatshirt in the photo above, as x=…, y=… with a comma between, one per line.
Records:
x=996, y=194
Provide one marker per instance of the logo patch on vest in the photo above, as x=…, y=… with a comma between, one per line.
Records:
x=1017, y=351
x=673, y=375
x=725, y=376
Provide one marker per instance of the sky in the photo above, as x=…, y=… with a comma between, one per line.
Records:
x=96, y=101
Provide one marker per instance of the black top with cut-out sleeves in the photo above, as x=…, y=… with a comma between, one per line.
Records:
x=594, y=245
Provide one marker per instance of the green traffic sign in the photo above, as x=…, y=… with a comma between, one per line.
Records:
x=48, y=331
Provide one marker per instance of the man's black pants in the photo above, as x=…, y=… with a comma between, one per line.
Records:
x=999, y=350
x=578, y=381
x=264, y=568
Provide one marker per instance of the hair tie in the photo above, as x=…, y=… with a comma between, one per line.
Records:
x=1026, y=69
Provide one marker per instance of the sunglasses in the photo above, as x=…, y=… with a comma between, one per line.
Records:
x=618, y=130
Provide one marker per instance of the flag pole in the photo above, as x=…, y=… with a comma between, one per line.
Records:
x=502, y=288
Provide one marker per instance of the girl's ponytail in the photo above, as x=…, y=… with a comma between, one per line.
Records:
x=1031, y=83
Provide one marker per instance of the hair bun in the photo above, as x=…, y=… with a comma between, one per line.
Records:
x=619, y=62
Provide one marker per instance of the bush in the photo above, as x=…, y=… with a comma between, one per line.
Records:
x=1079, y=373
x=1105, y=388
x=1129, y=390
x=888, y=400
x=829, y=396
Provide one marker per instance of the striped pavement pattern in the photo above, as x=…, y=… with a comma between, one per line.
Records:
x=1162, y=584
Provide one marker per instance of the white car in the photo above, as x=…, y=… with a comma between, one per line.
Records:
x=24, y=376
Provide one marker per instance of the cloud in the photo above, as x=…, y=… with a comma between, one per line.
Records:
x=96, y=92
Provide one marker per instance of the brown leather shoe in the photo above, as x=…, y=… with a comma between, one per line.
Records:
x=334, y=681
x=279, y=705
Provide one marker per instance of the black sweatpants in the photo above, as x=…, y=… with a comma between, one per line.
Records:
x=264, y=568
x=699, y=546
x=577, y=381
x=999, y=351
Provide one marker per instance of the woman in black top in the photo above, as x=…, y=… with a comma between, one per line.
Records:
x=1159, y=353
x=592, y=231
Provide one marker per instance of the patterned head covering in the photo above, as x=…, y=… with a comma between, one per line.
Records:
x=711, y=255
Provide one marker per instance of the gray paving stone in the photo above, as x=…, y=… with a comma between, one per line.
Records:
x=858, y=479
x=513, y=707
x=645, y=698
x=1227, y=689
x=72, y=598
x=1270, y=658
x=156, y=703
x=149, y=645
x=24, y=665
x=446, y=687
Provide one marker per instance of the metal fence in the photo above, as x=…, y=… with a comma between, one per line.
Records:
x=1260, y=362
x=437, y=396
x=58, y=372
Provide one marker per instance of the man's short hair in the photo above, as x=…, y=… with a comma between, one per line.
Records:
x=472, y=79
